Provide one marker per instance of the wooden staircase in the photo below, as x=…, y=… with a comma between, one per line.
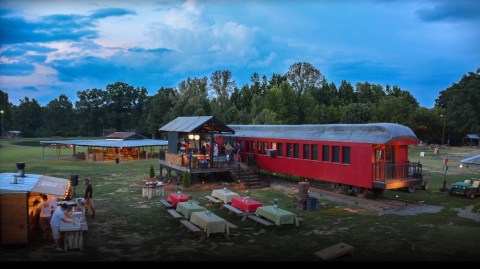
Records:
x=248, y=176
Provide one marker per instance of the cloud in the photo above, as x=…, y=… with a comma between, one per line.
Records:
x=110, y=12
x=451, y=11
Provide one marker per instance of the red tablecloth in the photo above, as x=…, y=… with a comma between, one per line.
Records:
x=174, y=198
x=249, y=205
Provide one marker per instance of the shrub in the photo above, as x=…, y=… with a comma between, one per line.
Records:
x=186, y=180
x=152, y=172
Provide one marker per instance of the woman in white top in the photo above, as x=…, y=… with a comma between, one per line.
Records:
x=58, y=216
x=45, y=215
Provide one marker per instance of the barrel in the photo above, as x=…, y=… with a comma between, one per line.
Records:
x=303, y=189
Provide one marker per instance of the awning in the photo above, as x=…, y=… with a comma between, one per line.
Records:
x=51, y=185
x=34, y=183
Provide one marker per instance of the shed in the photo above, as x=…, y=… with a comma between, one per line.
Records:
x=473, y=139
x=18, y=215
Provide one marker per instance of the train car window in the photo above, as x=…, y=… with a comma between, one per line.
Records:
x=296, y=150
x=314, y=152
x=289, y=149
x=252, y=143
x=325, y=153
x=265, y=146
x=279, y=149
x=336, y=154
x=260, y=150
x=345, y=154
x=247, y=146
x=306, y=151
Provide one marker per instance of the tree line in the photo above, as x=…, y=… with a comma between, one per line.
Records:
x=301, y=96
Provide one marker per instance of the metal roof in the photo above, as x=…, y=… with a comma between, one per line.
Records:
x=33, y=182
x=125, y=136
x=473, y=136
x=197, y=124
x=471, y=160
x=380, y=133
x=109, y=143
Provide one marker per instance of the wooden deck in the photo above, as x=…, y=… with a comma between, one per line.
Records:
x=390, y=184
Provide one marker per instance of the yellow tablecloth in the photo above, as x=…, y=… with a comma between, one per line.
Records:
x=226, y=197
x=210, y=224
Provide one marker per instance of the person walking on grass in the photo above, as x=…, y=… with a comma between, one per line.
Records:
x=88, y=203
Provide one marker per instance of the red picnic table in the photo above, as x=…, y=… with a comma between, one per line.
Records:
x=175, y=198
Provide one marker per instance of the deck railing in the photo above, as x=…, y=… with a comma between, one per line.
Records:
x=404, y=171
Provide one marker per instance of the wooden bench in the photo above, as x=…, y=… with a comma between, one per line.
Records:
x=231, y=225
x=166, y=204
x=233, y=209
x=213, y=200
x=260, y=220
x=174, y=213
x=190, y=226
x=335, y=251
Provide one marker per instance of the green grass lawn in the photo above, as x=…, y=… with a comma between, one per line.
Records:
x=132, y=228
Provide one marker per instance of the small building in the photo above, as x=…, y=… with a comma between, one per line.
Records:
x=18, y=211
x=472, y=140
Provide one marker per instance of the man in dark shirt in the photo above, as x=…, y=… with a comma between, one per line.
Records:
x=89, y=198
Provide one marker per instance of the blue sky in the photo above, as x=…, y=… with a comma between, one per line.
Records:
x=58, y=47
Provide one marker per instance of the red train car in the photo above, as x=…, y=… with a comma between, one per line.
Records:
x=355, y=157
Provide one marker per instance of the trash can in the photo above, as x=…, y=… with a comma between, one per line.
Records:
x=21, y=169
x=312, y=204
x=117, y=160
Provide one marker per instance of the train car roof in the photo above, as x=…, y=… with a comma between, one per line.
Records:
x=375, y=133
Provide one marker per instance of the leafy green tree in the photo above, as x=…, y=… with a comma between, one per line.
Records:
x=346, y=93
x=27, y=117
x=283, y=101
x=302, y=76
x=356, y=113
x=7, y=109
x=59, y=117
x=222, y=87
x=91, y=112
x=459, y=104
x=193, y=98
x=124, y=105
x=157, y=110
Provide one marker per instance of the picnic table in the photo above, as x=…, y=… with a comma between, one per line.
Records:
x=187, y=208
x=210, y=223
x=278, y=216
x=175, y=198
x=225, y=195
x=246, y=205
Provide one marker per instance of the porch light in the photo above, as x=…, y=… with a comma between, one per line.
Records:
x=197, y=137
x=191, y=136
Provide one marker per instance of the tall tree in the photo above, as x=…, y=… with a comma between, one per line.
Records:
x=27, y=117
x=222, y=86
x=91, y=112
x=124, y=105
x=356, y=113
x=158, y=109
x=459, y=104
x=193, y=98
x=60, y=117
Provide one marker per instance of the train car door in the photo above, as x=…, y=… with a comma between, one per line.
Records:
x=390, y=162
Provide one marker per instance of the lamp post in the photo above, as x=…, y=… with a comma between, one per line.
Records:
x=443, y=130
x=1, y=111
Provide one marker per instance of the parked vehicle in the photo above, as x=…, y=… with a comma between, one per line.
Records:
x=469, y=188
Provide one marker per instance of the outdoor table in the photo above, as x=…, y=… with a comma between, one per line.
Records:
x=278, y=216
x=210, y=223
x=152, y=191
x=187, y=208
x=174, y=198
x=73, y=232
x=246, y=205
x=226, y=197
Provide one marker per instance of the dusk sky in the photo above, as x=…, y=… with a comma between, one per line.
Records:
x=58, y=47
